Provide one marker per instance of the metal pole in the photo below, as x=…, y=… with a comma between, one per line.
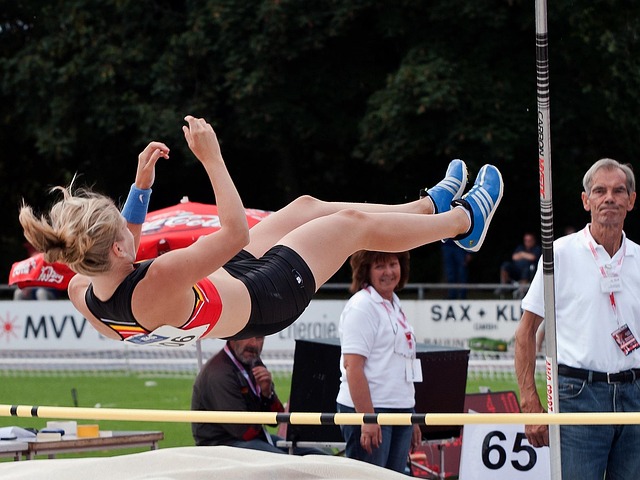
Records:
x=546, y=224
x=199, y=354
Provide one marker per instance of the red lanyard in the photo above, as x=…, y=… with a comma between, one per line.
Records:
x=603, y=270
x=254, y=388
x=401, y=319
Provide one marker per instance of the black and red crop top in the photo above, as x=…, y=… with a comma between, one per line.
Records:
x=116, y=312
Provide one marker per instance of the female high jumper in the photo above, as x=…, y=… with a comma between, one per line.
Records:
x=235, y=283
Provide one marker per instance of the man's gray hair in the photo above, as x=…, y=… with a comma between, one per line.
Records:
x=609, y=164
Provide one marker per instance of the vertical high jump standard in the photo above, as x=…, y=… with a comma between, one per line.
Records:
x=546, y=225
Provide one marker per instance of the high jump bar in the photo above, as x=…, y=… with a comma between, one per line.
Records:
x=311, y=418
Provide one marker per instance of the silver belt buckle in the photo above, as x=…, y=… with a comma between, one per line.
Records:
x=609, y=381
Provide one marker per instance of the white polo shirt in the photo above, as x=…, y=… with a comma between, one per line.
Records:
x=585, y=317
x=372, y=327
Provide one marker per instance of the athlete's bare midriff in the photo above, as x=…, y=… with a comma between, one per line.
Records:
x=177, y=305
x=236, y=304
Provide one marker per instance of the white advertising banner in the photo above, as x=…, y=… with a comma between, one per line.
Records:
x=52, y=325
x=436, y=322
x=47, y=325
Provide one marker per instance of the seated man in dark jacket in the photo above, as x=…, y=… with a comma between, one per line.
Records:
x=235, y=379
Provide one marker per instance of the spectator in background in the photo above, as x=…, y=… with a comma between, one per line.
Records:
x=524, y=261
x=235, y=379
x=34, y=293
x=455, y=263
x=378, y=360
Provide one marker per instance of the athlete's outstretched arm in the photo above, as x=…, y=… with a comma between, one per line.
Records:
x=145, y=176
x=189, y=265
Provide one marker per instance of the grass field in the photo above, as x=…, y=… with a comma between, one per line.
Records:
x=129, y=391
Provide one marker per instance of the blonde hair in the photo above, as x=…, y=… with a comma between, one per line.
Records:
x=79, y=230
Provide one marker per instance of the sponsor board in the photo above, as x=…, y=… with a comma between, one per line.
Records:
x=29, y=325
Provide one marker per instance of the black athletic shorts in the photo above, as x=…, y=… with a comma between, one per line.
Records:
x=280, y=285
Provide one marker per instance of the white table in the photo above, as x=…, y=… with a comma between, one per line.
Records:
x=13, y=448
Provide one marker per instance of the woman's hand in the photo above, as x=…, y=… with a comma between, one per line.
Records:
x=202, y=140
x=370, y=436
x=416, y=437
x=146, y=173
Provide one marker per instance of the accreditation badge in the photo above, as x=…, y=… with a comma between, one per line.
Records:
x=413, y=370
x=625, y=339
x=611, y=284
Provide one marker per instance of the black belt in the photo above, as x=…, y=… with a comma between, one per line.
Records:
x=626, y=376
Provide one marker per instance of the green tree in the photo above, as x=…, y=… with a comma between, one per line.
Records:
x=344, y=99
x=83, y=92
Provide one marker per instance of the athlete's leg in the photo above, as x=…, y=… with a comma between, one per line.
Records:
x=304, y=209
x=326, y=242
x=273, y=228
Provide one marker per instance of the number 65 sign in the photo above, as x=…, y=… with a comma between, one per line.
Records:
x=501, y=452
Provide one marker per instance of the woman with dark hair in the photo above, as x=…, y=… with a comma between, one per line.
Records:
x=378, y=361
